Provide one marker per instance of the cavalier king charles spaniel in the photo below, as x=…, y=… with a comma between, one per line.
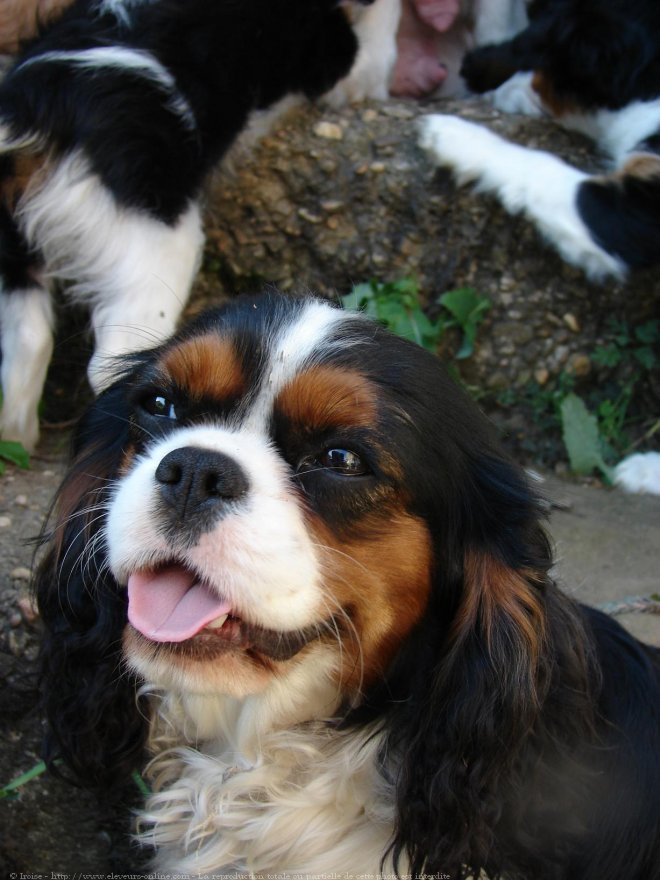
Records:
x=594, y=66
x=110, y=121
x=292, y=561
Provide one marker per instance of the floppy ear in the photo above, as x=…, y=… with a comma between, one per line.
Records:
x=94, y=721
x=592, y=55
x=481, y=670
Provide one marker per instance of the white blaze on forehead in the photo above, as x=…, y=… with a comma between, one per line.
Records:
x=295, y=346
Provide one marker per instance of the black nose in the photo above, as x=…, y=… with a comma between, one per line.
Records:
x=197, y=481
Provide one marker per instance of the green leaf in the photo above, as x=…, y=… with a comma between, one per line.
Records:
x=11, y=789
x=15, y=453
x=648, y=333
x=607, y=355
x=645, y=356
x=468, y=310
x=359, y=295
x=581, y=438
x=396, y=305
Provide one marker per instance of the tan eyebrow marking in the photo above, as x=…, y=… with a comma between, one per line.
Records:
x=206, y=366
x=325, y=397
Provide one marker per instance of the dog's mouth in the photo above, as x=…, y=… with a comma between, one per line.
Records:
x=173, y=606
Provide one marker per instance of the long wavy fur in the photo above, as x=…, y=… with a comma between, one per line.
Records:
x=96, y=724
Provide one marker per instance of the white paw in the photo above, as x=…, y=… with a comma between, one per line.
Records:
x=367, y=80
x=20, y=427
x=639, y=473
x=516, y=95
x=450, y=140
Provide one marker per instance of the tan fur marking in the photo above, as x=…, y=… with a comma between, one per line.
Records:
x=26, y=169
x=498, y=597
x=205, y=366
x=644, y=166
x=384, y=579
x=20, y=20
x=81, y=491
x=557, y=105
x=327, y=397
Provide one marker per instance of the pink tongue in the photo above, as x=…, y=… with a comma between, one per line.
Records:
x=171, y=605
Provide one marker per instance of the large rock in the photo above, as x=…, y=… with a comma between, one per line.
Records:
x=329, y=199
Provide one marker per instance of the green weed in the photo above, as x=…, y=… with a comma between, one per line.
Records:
x=397, y=305
x=14, y=453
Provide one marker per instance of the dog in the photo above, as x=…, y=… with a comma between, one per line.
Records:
x=293, y=544
x=594, y=67
x=110, y=121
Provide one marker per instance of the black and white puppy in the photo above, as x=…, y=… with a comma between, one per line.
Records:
x=304, y=541
x=594, y=65
x=109, y=123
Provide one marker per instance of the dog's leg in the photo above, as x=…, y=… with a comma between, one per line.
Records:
x=27, y=345
x=143, y=297
x=498, y=20
x=525, y=181
x=370, y=75
x=26, y=333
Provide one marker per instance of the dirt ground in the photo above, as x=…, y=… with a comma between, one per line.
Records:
x=607, y=551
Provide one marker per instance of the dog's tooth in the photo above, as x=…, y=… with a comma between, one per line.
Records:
x=218, y=622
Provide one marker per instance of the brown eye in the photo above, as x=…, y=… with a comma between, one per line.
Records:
x=343, y=462
x=160, y=406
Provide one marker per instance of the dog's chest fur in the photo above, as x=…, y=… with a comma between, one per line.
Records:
x=271, y=804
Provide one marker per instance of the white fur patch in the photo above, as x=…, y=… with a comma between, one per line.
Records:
x=370, y=75
x=516, y=95
x=26, y=318
x=526, y=181
x=134, y=271
x=122, y=9
x=639, y=473
x=617, y=132
x=312, y=804
x=296, y=344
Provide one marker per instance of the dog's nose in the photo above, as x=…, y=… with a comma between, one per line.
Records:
x=194, y=480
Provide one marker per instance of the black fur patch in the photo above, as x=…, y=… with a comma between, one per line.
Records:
x=623, y=216
x=225, y=59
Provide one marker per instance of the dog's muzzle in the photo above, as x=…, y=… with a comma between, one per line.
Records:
x=197, y=488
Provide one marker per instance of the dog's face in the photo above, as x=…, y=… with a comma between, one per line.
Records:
x=289, y=506
x=591, y=55
x=264, y=514
x=586, y=55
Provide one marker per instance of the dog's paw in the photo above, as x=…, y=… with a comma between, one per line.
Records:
x=448, y=139
x=366, y=81
x=21, y=427
x=639, y=473
x=517, y=96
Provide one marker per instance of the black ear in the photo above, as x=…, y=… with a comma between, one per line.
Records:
x=480, y=670
x=592, y=55
x=95, y=725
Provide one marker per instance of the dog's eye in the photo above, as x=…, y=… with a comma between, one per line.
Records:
x=159, y=405
x=344, y=462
